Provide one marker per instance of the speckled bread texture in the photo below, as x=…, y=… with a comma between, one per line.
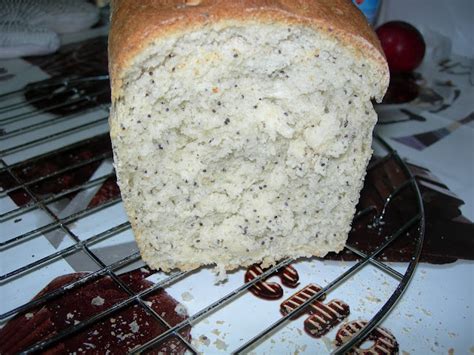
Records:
x=241, y=129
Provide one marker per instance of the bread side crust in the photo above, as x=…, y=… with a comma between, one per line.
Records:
x=135, y=25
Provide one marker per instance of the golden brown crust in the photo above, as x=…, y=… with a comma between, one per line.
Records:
x=136, y=23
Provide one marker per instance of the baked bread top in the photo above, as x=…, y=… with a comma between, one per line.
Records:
x=136, y=24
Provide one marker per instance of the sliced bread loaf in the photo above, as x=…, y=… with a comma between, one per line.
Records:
x=241, y=129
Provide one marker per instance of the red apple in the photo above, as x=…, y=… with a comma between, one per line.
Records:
x=403, y=45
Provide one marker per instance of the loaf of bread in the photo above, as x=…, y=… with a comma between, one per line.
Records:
x=241, y=129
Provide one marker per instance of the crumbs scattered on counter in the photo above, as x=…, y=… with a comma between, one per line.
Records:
x=134, y=327
x=181, y=310
x=186, y=296
x=220, y=344
x=97, y=301
x=204, y=340
x=374, y=299
x=29, y=315
x=69, y=315
x=89, y=346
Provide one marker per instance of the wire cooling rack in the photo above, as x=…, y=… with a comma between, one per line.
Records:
x=64, y=114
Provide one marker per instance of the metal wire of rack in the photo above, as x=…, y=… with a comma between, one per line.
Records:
x=12, y=113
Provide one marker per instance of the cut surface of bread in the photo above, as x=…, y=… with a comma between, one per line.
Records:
x=241, y=141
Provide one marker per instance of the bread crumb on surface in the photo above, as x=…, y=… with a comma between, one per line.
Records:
x=186, y=296
x=97, y=301
x=134, y=327
x=29, y=315
x=181, y=310
x=221, y=345
x=202, y=339
x=89, y=345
